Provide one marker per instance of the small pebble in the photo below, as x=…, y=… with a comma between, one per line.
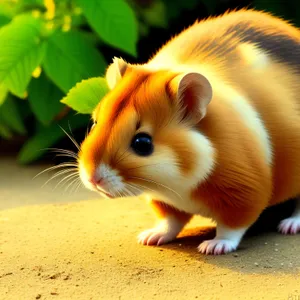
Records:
x=276, y=244
x=235, y=255
x=276, y=249
x=38, y=296
x=266, y=243
x=256, y=264
x=282, y=264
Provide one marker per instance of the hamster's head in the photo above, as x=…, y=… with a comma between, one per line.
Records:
x=143, y=138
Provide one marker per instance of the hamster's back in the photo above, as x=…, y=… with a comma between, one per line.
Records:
x=216, y=40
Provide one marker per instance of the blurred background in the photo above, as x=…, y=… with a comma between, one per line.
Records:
x=48, y=46
x=53, y=55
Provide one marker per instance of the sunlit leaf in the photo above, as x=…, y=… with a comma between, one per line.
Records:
x=21, y=51
x=114, y=21
x=35, y=147
x=44, y=98
x=86, y=95
x=70, y=58
x=3, y=93
x=10, y=115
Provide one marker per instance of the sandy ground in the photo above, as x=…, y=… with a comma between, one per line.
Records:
x=53, y=246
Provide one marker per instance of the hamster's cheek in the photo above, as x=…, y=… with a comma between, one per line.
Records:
x=190, y=152
x=162, y=165
x=84, y=176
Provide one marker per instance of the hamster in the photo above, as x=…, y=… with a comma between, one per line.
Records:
x=209, y=126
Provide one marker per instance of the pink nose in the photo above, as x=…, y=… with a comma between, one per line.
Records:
x=95, y=180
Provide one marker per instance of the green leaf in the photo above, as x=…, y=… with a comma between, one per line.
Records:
x=70, y=58
x=155, y=15
x=44, y=98
x=10, y=115
x=34, y=148
x=21, y=52
x=3, y=93
x=86, y=95
x=7, y=8
x=5, y=132
x=4, y=20
x=114, y=21
x=30, y=5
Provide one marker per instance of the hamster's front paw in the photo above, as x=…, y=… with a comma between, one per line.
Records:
x=290, y=225
x=217, y=246
x=156, y=236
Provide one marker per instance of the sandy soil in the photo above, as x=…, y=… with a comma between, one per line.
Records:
x=88, y=250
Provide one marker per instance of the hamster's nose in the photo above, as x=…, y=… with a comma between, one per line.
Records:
x=96, y=180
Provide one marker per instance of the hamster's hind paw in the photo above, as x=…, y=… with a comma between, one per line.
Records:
x=290, y=225
x=156, y=236
x=217, y=246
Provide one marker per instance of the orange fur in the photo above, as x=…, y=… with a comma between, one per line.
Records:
x=163, y=210
x=238, y=182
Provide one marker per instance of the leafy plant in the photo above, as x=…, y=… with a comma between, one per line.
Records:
x=47, y=47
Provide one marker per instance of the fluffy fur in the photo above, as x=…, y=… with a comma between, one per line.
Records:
x=221, y=103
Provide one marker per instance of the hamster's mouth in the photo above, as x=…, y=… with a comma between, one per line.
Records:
x=105, y=193
x=108, y=195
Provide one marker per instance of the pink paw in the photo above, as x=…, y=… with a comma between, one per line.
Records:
x=290, y=225
x=217, y=246
x=155, y=236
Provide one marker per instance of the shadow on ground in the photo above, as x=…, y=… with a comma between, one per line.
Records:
x=252, y=249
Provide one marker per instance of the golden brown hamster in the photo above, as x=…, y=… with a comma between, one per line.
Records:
x=210, y=125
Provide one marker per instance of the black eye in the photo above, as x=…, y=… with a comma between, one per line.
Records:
x=142, y=144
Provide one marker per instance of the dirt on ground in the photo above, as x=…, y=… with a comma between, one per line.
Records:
x=88, y=250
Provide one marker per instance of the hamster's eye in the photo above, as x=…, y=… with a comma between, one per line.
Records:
x=142, y=144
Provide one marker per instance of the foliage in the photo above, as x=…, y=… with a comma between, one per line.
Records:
x=52, y=57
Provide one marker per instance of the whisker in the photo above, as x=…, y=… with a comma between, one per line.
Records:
x=66, y=155
x=65, y=179
x=62, y=165
x=75, y=184
x=144, y=187
x=56, y=175
x=148, y=165
x=61, y=151
x=73, y=181
x=159, y=184
x=129, y=193
x=139, y=191
x=71, y=138
x=78, y=186
x=122, y=156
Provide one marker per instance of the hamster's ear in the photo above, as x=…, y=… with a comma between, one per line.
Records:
x=193, y=93
x=115, y=71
